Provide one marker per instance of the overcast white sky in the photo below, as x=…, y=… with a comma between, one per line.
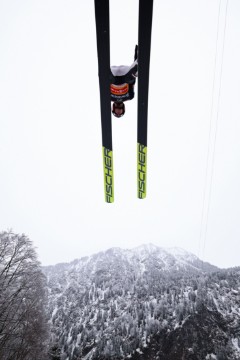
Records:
x=51, y=177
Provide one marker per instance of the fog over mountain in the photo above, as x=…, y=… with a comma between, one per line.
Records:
x=144, y=303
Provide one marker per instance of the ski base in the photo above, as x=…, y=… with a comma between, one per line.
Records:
x=108, y=175
x=142, y=170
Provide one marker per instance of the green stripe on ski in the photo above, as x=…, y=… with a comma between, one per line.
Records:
x=108, y=174
x=141, y=170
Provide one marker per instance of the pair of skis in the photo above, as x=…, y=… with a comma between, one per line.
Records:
x=103, y=49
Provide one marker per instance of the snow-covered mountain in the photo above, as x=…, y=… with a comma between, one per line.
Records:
x=144, y=303
x=140, y=259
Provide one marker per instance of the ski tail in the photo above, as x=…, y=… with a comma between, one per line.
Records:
x=142, y=170
x=108, y=175
x=103, y=49
x=144, y=49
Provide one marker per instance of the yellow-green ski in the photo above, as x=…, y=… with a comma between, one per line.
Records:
x=142, y=170
x=108, y=175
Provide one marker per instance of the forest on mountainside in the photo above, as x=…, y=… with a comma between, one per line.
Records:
x=147, y=303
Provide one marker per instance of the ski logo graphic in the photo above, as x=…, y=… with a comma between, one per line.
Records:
x=141, y=170
x=108, y=174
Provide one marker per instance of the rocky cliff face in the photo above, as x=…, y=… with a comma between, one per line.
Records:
x=145, y=303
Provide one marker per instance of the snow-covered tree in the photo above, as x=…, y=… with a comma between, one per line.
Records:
x=23, y=329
